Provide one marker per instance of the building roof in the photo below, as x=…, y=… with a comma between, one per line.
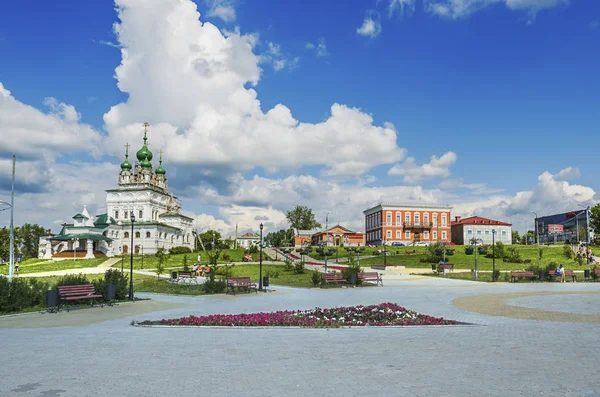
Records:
x=300, y=232
x=385, y=205
x=346, y=230
x=79, y=216
x=477, y=220
x=103, y=220
x=82, y=236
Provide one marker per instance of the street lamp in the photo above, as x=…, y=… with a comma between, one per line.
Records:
x=131, y=260
x=537, y=236
x=494, y=256
x=260, y=280
x=75, y=244
x=384, y=253
x=122, y=259
x=474, y=242
x=12, y=233
x=326, y=239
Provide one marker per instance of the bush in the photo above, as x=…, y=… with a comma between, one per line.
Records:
x=214, y=286
x=272, y=274
x=226, y=257
x=567, y=251
x=513, y=255
x=351, y=269
x=21, y=294
x=116, y=278
x=288, y=265
x=186, y=267
x=299, y=268
x=179, y=250
x=73, y=279
x=315, y=277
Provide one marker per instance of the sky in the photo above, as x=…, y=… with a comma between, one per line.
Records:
x=490, y=106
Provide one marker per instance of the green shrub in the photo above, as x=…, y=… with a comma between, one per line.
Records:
x=73, y=279
x=116, y=278
x=214, y=286
x=351, y=269
x=272, y=274
x=186, y=267
x=315, y=277
x=288, y=265
x=226, y=257
x=179, y=250
x=21, y=293
x=299, y=268
x=567, y=251
x=513, y=255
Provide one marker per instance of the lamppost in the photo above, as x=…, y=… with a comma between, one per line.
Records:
x=537, y=236
x=75, y=244
x=142, y=256
x=494, y=255
x=260, y=281
x=122, y=259
x=384, y=253
x=131, y=261
x=474, y=242
x=12, y=236
x=326, y=239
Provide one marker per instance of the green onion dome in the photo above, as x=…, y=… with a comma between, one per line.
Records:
x=160, y=170
x=126, y=165
x=146, y=164
x=144, y=152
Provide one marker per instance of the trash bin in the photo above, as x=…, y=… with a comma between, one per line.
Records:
x=52, y=298
x=542, y=275
x=586, y=273
x=174, y=275
x=353, y=279
x=433, y=266
x=265, y=281
x=110, y=292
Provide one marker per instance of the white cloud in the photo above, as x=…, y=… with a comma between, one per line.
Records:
x=413, y=173
x=371, y=27
x=474, y=188
x=457, y=9
x=222, y=9
x=320, y=48
x=567, y=174
x=190, y=82
x=275, y=56
x=401, y=7
x=29, y=133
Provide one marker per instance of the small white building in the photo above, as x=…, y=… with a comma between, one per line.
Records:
x=464, y=230
x=248, y=240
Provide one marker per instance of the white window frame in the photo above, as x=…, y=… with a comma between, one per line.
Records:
x=388, y=234
x=434, y=219
x=444, y=235
x=426, y=218
x=407, y=217
x=434, y=236
x=487, y=233
x=398, y=218
x=388, y=218
x=398, y=235
x=407, y=234
x=470, y=232
x=444, y=219
x=426, y=235
x=417, y=218
x=478, y=233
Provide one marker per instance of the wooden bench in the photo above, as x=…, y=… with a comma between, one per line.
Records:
x=552, y=273
x=522, y=274
x=240, y=282
x=446, y=266
x=68, y=293
x=183, y=276
x=370, y=277
x=327, y=278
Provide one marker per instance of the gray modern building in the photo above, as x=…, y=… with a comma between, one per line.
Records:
x=568, y=226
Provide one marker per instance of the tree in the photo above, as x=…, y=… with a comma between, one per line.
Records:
x=515, y=237
x=213, y=258
x=277, y=239
x=160, y=266
x=302, y=218
x=595, y=218
x=208, y=237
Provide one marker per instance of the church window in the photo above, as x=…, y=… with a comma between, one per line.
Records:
x=116, y=214
x=147, y=234
x=172, y=239
x=137, y=234
x=141, y=214
x=126, y=235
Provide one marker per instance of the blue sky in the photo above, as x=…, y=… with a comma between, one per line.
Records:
x=511, y=92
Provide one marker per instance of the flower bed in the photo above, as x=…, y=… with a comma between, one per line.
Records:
x=384, y=314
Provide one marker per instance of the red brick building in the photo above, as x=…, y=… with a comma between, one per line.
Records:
x=395, y=223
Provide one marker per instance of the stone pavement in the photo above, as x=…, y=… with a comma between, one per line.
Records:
x=502, y=354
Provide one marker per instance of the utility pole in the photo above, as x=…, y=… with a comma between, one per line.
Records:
x=537, y=236
x=587, y=225
x=11, y=269
x=236, y=235
x=326, y=239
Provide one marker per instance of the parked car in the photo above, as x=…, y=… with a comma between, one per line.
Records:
x=398, y=244
x=421, y=244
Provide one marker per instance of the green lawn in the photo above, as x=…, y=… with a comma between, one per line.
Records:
x=276, y=273
x=50, y=265
x=150, y=261
x=463, y=261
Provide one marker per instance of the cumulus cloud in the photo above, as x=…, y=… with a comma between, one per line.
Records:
x=414, y=173
x=474, y=188
x=275, y=56
x=222, y=9
x=567, y=174
x=193, y=85
x=371, y=26
x=457, y=9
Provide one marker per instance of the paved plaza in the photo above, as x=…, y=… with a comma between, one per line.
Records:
x=525, y=339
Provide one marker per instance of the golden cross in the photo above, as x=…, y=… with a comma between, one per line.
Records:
x=146, y=125
x=127, y=149
x=161, y=153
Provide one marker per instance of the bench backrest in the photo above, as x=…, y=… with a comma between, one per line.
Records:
x=70, y=290
x=331, y=276
x=567, y=273
x=185, y=274
x=238, y=280
x=597, y=271
x=447, y=265
x=522, y=273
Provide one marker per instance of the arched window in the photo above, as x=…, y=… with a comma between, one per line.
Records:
x=172, y=239
x=125, y=249
x=137, y=249
x=126, y=235
x=147, y=234
x=137, y=234
x=141, y=214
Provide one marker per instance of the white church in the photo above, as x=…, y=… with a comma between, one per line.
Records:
x=141, y=198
